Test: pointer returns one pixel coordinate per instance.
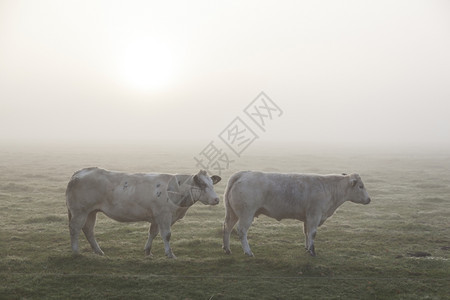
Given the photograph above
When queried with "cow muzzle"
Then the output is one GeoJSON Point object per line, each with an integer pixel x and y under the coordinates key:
{"type": "Point", "coordinates": [211, 201]}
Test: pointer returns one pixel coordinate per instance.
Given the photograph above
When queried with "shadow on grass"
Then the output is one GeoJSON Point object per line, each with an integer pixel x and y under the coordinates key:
{"type": "Point", "coordinates": [234, 266]}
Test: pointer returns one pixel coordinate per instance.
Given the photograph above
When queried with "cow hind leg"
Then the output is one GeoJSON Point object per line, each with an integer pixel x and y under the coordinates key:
{"type": "Point", "coordinates": [230, 221]}
{"type": "Point", "coordinates": [305, 231]}
{"type": "Point", "coordinates": [152, 233]}
{"type": "Point", "coordinates": [76, 222]}
{"type": "Point", "coordinates": [88, 230]}
{"type": "Point", "coordinates": [242, 229]}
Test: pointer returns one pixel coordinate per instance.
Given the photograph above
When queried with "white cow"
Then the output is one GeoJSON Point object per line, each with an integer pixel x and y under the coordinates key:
{"type": "Point", "coordinates": [309, 198]}
{"type": "Point", "coordinates": [160, 199]}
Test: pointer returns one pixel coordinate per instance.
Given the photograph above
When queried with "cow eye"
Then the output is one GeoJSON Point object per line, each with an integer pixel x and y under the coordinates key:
{"type": "Point", "coordinates": [361, 186]}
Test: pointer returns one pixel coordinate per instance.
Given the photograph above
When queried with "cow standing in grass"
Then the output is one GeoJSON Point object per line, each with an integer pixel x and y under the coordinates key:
{"type": "Point", "coordinates": [309, 198]}
{"type": "Point", "coordinates": [160, 199]}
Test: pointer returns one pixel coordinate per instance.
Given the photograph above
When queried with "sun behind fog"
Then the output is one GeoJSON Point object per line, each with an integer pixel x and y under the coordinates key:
{"type": "Point", "coordinates": [147, 65]}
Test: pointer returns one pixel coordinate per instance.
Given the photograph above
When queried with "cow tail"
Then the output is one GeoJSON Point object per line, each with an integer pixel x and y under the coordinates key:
{"type": "Point", "coordinates": [228, 209]}
{"type": "Point", "coordinates": [69, 193]}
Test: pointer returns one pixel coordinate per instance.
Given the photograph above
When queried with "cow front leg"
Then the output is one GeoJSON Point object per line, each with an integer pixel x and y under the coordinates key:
{"type": "Point", "coordinates": [311, 230]}
{"type": "Point", "coordinates": [152, 233]}
{"type": "Point", "coordinates": [166, 234]}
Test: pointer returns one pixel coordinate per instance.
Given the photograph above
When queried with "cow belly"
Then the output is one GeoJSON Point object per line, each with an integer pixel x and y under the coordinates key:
{"type": "Point", "coordinates": [278, 214]}
{"type": "Point", "coordinates": [275, 215]}
{"type": "Point", "coordinates": [132, 213]}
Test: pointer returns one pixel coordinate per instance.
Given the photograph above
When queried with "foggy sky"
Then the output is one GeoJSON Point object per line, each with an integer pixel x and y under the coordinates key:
{"type": "Point", "coordinates": [344, 73]}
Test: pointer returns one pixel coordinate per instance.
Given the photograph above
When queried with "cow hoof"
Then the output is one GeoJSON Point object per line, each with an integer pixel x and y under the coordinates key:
{"type": "Point", "coordinates": [227, 251]}
{"type": "Point", "coordinates": [312, 253]}
{"type": "Point", "coordinates": [100, 252]}
{"type": "Point", "coordinates": [249, 254]}
{"type": "Point", "coordinates": [171, 256]}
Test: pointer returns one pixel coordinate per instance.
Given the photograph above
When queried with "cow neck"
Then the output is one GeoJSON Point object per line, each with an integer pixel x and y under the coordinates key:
{"type": "Point", "coordinates": [189, 199]}
{"type": "Point", "coordinates": [344, 189]}
{"type": "Point", "coordinates": [186, 202]}
{"type": "Point", "coordinates": [340, 190]}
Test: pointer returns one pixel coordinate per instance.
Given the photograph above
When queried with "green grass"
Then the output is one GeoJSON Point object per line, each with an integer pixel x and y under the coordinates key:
{"type": "Point", "coordinates": [363, 251]}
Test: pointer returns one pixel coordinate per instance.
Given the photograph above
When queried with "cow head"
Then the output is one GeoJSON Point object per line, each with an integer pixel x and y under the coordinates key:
{"type": "Point", "coordinates": [357, 192]}
{"type": "Point", "coordinates": [204, 189]}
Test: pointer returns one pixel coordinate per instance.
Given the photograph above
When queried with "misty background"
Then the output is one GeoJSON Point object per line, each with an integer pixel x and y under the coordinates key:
{"type": "Point", "coordinates": [360, 74]}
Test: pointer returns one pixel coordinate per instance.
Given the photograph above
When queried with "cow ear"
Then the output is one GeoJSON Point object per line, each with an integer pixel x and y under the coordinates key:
{"type": "Point", "coordinates": [216, 179]}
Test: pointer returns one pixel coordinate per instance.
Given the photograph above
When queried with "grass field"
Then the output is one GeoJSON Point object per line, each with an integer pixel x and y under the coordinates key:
{"type": "Point", "coordinates": [397, 247]}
